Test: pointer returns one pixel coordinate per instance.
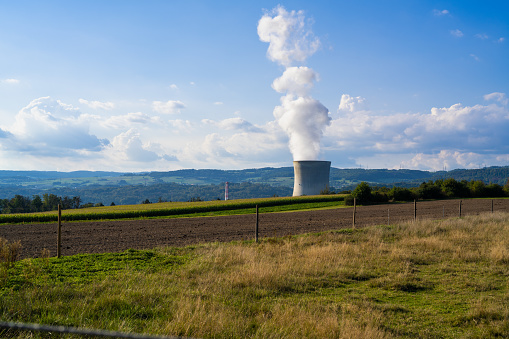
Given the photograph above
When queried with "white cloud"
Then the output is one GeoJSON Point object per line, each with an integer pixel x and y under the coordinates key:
{"type": "Point", "coordinates": [475, 57]}
{"type": "Point", "coordinates": [98, 104]}
{"type": "Point", "coordinates": [174, 87]}
{"type": "Point", "coordinates": [233, 124]}
{"type": "Point", "coordinates": [454, 131]}
{"type": "Point", "coordinates": [50, 126]}
{"type": "Point", "coordinates": [351, 104]}
{"type": "Point", "coordinates": [126, 121]}
{"type": "Point", "coordinates": [288, 34]}
{"type": "Point", "coordinates": [438, 12]}
{"type": "Point", "coordinates": [218, 103]}
{"type": "Point", "coordinates": [225, 150]}
{"type": "Point", "coordinates": [445, 159]}
{"type": "Point", "coordinates": [497, 96]}
{"type": "Point", "coordinates": [500, 40]}
{"type": "Point", "coordinates": [128, 146]}
{"type": "Point", "coordinates": [482, 36]}
{"type": "Point", "coordinates": [168, 107]}
{"type": "Point", "coordinates": [10, 81]}
{"type": "Point", "coordinates": [456, 33]}
{"type": "Point", "coordinates": [182, 125]}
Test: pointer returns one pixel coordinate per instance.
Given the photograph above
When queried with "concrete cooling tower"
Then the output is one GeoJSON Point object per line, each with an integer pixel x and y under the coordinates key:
{"type": "Point", "coordinates": [311, 177]}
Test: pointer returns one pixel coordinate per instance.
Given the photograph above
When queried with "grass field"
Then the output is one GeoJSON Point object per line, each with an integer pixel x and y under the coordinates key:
{"type": "Point", "coordinates": [181, 209]}
{"type": "Point", "coordinates": [429, 279]}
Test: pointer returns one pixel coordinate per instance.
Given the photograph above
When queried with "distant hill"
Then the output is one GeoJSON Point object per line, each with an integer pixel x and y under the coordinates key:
{"type": "Point", "coordinates": [207, 184]}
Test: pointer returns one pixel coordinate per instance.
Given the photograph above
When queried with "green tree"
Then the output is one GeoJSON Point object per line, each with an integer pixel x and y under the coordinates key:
{"type": "Point", "coordinates": [400, 194]}
{"type": "Point", "coordinates": [455, 189]}
{"type": "Point", "coordinates": [36, 203]}
{"type": "Point", "coordinates": [362, 193]}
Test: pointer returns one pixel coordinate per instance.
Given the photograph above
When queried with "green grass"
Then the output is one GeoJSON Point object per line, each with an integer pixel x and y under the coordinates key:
{"type": "Point", "coordinates": [429, 279]}
{"type": "Point", "coordinates": [181, 209]}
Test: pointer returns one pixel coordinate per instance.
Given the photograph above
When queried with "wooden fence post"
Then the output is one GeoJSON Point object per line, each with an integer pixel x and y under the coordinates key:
{"type": "Point", "coordinates": [59, 238]}
{"type": "Point", "coordinates": [491, 205]}
{"type": "Point", "coordinates": [256, 228]}
{"type": "Point", "coordinates": [460, 208]}
{"type": "Point", "coordinates": [354, 209]}
{"type": "Point", "coordinates": [415, 209]}
{"type": "Point", "coordinates": [388, 217]}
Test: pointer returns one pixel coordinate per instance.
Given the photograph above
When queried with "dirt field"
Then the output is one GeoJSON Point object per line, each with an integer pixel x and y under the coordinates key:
{"type": "Point", "coordinates": [117, 236]}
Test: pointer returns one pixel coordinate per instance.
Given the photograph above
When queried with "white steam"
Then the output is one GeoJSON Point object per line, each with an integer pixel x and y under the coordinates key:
{"type": "Point", "coordinates": [302, 117]}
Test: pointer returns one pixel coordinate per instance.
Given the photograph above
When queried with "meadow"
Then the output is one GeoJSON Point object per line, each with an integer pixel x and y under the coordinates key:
{"type": "Point", "coordinates": [428, 279]}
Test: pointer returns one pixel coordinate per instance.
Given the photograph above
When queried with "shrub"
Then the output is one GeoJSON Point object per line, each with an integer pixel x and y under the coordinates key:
{"type": "Point", "coordinates": [362, 193]}
{"type": "Point", "coordinates": [401, 194]}
{"type": "Point", "coordinates": [349, 200]}
{"type": "Point", "coordinates": [9, 252]}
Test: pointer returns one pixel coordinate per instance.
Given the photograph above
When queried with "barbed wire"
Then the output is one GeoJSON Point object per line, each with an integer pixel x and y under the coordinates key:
{"type": "Point", "coordinates": [85, 332]}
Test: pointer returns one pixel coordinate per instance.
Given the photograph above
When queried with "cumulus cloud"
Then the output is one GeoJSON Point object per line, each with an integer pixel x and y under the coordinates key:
{"type": "Point", "coordinates": [288, 34]}
{"type": "Point", "coordinates": [235, 123]}
{"type": "Point", "coordinates": [456, 33]}
{"type": "Point", "coordinates": [351, 104]}
{"type": "Point", "coordinates": [445, 159]}
{"type": "Point", "coordinates": [127, 120]}
{"type": "Point", "coordinates": [174, 87]}
{"type": "Point", "coordinates": [233, 147]}
{"type": "Point", "coordinates": [128, 146]}
{"type": "Point", "coordinates": [48, 125]}
{"type": "Point", "coordinates": [98, 104]}
{"type": "Point", "coordinates": [168, 107]}
{"type": "Point", "coordinates": [439, 12]}
{"type": "Point", "coordinates": [459, 132]}
{"type": "Point", "coordinates": [497, 96]}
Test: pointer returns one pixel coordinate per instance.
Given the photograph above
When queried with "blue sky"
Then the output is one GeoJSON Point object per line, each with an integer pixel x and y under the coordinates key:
{"type": "Point", "coordinates": [163, 85]}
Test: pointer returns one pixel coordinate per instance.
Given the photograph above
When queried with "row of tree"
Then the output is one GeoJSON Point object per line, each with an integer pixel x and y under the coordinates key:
{"type": "Point", "coordinates": [48, 202]}
{"type": "Point", "coordinates": [439, 189]}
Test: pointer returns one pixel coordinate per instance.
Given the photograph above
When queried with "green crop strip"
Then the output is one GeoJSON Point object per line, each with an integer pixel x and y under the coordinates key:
{"type": "Point", "coordinates": [178, 209]}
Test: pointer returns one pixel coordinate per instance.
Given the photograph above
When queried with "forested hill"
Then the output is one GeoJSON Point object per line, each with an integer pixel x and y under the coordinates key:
{"type": "Point", "coordinates": [182, 185]}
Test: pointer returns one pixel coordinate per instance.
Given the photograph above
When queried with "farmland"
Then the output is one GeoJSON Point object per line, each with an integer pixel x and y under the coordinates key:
{"type": "Point", "coordinates": [444, 278]}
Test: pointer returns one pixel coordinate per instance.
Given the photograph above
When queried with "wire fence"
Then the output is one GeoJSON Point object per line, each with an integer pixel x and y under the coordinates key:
{"type": "Point", "coordinates": [10, 327]}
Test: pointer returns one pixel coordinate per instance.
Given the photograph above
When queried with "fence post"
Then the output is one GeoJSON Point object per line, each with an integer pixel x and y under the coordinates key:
{"type": "Point", "coordinates": [59, 238]}
{"type": "Point", "coordinates": [415, 209]}
{"type": "Point", "coordinates": [460, 208]}
{"type": "Point", "coordinates": [388, 217]}
{"type": "Point", "coordinates": [354, 208]}
{"type": "Point", "coordinates": [491, 205]}
{"type": "Point", "coordinates": [256, 228]}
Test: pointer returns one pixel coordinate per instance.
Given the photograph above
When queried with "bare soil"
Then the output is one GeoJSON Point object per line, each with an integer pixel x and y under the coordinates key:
{"type": "Point", "coordinates": [118, 236]}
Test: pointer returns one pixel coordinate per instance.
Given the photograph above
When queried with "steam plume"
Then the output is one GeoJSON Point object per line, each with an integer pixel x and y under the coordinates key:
{"type": "Point", "coordinates": [302, 117]}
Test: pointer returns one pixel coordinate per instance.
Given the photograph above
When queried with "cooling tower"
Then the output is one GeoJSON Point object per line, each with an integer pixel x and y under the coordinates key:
{"type": "Point", "coordinates": [311, 177]}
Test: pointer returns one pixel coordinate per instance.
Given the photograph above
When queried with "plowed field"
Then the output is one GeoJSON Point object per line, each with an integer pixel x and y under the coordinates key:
{"type": "Point", "coordinates": [117, 236]}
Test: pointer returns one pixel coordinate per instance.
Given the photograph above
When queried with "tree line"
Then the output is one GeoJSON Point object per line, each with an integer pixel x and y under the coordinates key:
{"type": "Point", "coordinates": [48, 202]}
{"type": "Point", "coordinates": [438, 189]}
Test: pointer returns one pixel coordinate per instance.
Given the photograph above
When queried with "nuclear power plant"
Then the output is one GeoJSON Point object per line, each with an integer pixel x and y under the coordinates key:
{"type": "Point", "coordinates": [310, 177]}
